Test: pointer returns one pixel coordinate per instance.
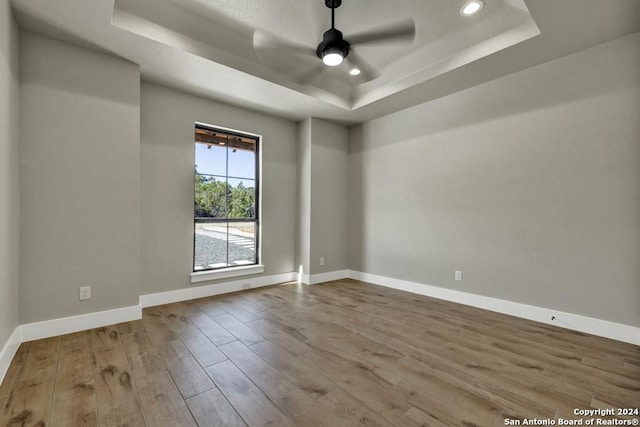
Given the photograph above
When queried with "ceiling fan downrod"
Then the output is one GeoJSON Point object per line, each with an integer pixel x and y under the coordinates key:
{"type": "Point", "coordinates": [332, 4]}
{"type": "Point", "coordinates": [333, 49]}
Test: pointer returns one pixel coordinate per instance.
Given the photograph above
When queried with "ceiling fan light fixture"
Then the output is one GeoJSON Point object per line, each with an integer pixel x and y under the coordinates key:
{"type": "Point", "coordinates": [332, 57]}
{"type": "Point", "coordinates": [471, 7]}
{"type": "Point", "coordinates": [333, 48]}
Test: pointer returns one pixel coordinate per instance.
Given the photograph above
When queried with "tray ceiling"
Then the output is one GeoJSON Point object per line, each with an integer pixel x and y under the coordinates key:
{"type": "Point", "coordinates": [207, 46]}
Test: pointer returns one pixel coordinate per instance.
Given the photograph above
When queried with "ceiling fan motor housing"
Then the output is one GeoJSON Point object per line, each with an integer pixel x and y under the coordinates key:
{"type": "Point", "coordinates": [333, 42]}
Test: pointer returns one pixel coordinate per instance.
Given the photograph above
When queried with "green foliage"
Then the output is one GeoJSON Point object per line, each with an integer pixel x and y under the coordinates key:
{"type": "Point", "coordinates": [241, 202]}
{"type": "Point", "coordinates": [218, 199]}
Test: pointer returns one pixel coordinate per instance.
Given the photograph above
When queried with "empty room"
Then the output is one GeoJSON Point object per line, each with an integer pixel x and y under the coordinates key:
{"type": "Point", "coordinates": [319, 213]}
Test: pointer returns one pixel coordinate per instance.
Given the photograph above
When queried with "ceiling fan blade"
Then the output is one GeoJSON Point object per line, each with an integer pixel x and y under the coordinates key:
{"type": "Point", "coordinates": [398, 31]}
{"type": "Point", "coordinates": [309, 75]}
{"type": "Point", "coordinates": [265, 41]}
{"type": "Point", "coordinates": [367, 72]}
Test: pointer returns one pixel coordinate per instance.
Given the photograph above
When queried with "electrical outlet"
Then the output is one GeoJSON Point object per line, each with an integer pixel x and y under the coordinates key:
{"type": "Point", "coordinates": [321, 260]}
{"type": "Point", "coordinates": [85, 293]}
{"type": "Point", "coordinates": [458, 275]}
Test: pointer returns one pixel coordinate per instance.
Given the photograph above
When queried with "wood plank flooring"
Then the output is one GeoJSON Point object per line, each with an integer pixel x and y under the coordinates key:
{"type": "Point", "coordinates": [344, 353]}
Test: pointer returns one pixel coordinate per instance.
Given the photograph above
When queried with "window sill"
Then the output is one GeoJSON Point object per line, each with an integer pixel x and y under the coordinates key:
{"type": "Point", "coordinates": [223, 273]}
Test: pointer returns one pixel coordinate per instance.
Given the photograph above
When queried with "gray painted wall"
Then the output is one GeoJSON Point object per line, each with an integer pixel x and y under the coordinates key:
{"type": "Point", "coordinates": [167, 127]}
{"type": "Point", "coordinates": [303, 212]}
{"type": "Point", "coordinates": [523, 183]}
{"type": "Point", "coordinates": [329, 196]}
{"type": "Point", "coordinates": [9, 196]}
{"type": "Point", "coordinates": [323, 153]}
{"type": "Point", "coordinates": [529, 184]}
{"type": "Point", "coordinates": [79, 180]}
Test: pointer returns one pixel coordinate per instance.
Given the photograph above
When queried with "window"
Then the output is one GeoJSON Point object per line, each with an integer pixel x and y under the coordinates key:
{"type": "Point", "coordinates": [226, 204]}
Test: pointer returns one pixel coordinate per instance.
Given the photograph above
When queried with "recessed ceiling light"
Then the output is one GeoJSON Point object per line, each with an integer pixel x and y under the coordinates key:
{"type": "Point", "coordinates": [471, 7]}
{"type": "Point", "coordinates": [354, 72]}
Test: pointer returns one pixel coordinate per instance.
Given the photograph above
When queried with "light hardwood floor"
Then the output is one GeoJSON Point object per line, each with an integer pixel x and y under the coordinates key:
{"type": "Point", "coordinates": [343, 353]}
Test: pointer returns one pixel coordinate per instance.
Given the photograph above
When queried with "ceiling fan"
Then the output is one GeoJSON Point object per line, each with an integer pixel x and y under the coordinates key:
{"type": "Point", "coordinates": [334, 49]}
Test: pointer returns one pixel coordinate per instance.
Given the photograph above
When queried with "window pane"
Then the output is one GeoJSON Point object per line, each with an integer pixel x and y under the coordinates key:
{"type": "Point", "coordinates": [211, 159]}
{"type": "Point", "coordinates": [210, 246]}
{"type": "Point", "coordinates": [226, 199]}
{"type": "Point", "coordinates": [242, 243]}
{"type": "Point", "coordinates": [242, 196]}
{"type": "Point", "coordinates": [242, 163]}
{"type": "Point", "coordinates": [210, 197]}
{"type": "Point", "coordinates": [219, 245]}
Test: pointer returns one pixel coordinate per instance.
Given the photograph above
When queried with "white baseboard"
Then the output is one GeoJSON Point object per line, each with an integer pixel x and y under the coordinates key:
{"type": "Point", "coordinates": [178, 295]}
{"type": "Point", "coordinates": [590, 325]}
{"type": "Point", "coordinates": [66, 325]}
{"type": "Point", "coordinates": [81, 322]}
{"type": "Point", "coordinates": [314, 279]}
{"type": "Point", "coordinates": [8, 351]}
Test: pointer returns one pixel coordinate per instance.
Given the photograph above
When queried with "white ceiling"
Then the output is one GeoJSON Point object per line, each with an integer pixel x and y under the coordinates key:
{"type": "Point", "coordinates": [206, 46]}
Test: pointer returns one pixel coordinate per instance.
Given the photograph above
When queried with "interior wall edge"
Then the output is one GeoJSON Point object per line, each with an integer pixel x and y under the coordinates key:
{"type": "Point", "coordinates": [575, 322]}
{"type": "Point", "coordinates": [315, 279]}
{"type": "Point", "coordinates": [9, 180]}
{"type": "Point", "coordinates": [168, 297]}
{"type": "Point", "coordinates": [66, 325]}
{"type": "Point", "coordinates": [80, 322]}
{"type": "Point", "coordinates": [8, 352]}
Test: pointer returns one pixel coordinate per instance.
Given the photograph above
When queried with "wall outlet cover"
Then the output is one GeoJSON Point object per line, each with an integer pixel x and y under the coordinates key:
{"type": "Point", "coordinates": [85, 293]}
